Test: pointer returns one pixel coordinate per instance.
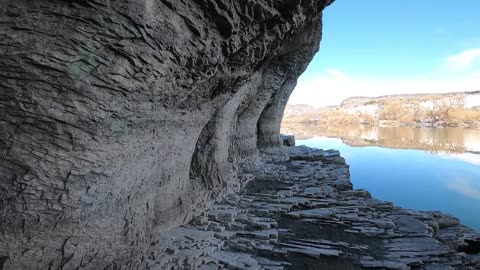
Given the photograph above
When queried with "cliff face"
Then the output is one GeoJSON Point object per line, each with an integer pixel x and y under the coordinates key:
{"type": "Point", "coordinates": [122, 119]}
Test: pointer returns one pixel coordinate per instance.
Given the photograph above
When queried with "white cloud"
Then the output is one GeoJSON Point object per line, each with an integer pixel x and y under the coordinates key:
{"type": "Point", "coordinates": [333, 86]}
{"type": "Point", "coordinates": [336, 74]}
{"type": "Point", "coordinates": [457, 73]}
{"type": "Point", "coordinates": [463, 60]}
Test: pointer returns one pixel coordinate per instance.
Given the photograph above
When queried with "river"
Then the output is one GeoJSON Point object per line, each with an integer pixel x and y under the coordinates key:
{"type": "Point", "coordinates": [417, 168]}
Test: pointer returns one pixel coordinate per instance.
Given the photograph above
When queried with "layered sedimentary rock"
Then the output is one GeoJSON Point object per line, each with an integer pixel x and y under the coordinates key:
{"type": "Point", "coordinates": [300, 212]}
{"type": "Point", "coordinates": [122, 119]}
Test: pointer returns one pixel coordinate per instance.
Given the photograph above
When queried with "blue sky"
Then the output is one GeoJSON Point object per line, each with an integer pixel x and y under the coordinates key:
{"type": "Point", "coordinates": [379, 47]}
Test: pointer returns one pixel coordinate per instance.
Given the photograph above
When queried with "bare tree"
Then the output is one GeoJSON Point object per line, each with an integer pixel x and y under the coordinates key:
{"type": "Point", "coordinates": [443, 106]}
{"type": "Point", "coordinates": [392, 110]}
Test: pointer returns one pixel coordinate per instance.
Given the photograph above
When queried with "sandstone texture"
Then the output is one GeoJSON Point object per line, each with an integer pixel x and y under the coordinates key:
{"type": "Point", "coordinates": [120, 120]}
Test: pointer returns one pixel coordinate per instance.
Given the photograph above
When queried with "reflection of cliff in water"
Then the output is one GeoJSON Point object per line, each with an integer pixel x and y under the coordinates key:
{"type": "Point", "coordinates": [457, 140]}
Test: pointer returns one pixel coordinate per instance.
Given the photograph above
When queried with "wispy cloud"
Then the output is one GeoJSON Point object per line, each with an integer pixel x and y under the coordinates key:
{"type": "Point", "coordinates": [464, 60]}
{"type": "Point", "coordinates": [333, 85]}
{"type": "Point", "coordinates": [459, 72]}
{"type": "Point", "coordinates": [465, 187]}
{"type": "Point", "coordinates": [336, 74]}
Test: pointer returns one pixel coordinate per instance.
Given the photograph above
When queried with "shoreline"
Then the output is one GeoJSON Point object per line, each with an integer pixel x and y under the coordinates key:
{"type": "Point", "coordinates": [387, 124]}
{"type": "Point", "coordinates": [300, 211]}
{"type": "Point", "coordinates": [454, 140]}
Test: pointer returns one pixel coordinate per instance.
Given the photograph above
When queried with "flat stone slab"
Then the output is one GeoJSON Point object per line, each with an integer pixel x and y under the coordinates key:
{"type": "Point", "coordinates": [313, 213]}
{"type": "Point", "coordinates": [300, 209]}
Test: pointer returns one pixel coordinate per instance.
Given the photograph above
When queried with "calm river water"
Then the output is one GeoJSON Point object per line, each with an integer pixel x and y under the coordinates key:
{"type": "Point", "coordinates": [417, 168]}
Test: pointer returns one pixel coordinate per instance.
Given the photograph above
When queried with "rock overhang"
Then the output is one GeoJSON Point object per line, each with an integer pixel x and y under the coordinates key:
{"type": "Point", "coordinates": [121, 119]}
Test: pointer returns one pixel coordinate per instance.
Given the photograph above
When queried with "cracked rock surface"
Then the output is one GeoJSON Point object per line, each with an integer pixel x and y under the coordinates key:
{"type": "Point", "coordinates": [300, 212]}
{"type": "Point", "coordinates": [122, 119]}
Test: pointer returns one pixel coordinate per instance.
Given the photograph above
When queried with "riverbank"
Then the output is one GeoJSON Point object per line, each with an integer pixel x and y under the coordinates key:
{"type": "Point", "coordinates": [351, 121]}
{"type": "Point", "coordinates": [300, 211]}
{"type": "Point", "coordinates": [456, 109]}
{"type": "Point", "coordinates": [452, 140]}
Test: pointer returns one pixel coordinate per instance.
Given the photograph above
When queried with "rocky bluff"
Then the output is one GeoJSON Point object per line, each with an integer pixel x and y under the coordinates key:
{"type": "Point", "coordinates": [123, 119]}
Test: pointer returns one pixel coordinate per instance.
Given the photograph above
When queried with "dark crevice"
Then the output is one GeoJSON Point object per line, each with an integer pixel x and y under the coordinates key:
{"type": "Point", "coordinates": [199, 167]}
{"type": "Point", "coordinates": [3, 260]}
{"type": "Point", "coordinates": [473, 247]}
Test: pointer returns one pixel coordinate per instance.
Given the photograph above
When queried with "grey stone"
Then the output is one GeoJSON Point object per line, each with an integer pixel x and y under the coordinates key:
{"type": "Point", "coordinates": [411, 225]}
{"type": "Point", "coordinates": [124, 119]}
{"type": "Point", "coordinates": [311, 250]}
{"type": "Point", "coordinates": [310, 223]}
{"type": "Point", "coordinates": [288, 140]}
{"type": "Point", "coordinates": [313, 213]}
{"type": "Point", "coordinates": [235, 260]}
{"type": "Point", "coordinates": [385, 224]}
{"type": "Point", "coordinates": [385, 265]}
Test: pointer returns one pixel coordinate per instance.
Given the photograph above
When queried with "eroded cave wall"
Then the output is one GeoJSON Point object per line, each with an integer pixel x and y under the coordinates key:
{"type": "Point", "coordinates": [121, 119]}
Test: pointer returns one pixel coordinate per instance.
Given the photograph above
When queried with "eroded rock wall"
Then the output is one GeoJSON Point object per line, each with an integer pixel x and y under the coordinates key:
{"type": "Point", "coordinates": [122, 119]}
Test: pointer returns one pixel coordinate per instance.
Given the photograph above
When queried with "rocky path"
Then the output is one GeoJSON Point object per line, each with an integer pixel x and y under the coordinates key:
{"type": "Point", "coordinates": [300, 212]}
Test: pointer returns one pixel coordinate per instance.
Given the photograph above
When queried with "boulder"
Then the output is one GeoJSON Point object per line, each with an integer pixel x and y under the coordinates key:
{"type": "Point", "coordinates": [288, 140]}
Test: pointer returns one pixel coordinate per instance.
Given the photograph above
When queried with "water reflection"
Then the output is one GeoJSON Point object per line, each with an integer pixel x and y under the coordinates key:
{"type": "Point", "coordinates": [466, 157]}
{"type": "Point", "coordinates": [438, 140]}
{"type": "Point", "coordinates": [465, 187]}
{"type": "Point", "coordinates": [418, 168]}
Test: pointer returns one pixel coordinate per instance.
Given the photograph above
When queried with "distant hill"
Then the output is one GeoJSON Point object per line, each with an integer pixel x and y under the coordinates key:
{"type": "Point", "coordinates": [300, 109]}
{"type": "Point", "coordinates": [433, 109]}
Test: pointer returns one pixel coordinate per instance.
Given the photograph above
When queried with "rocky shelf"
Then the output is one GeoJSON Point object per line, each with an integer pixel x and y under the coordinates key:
{"type": "Point", "coordinates": [299, 211]}
{"type": "Point", "coordinates": [122, 121]}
